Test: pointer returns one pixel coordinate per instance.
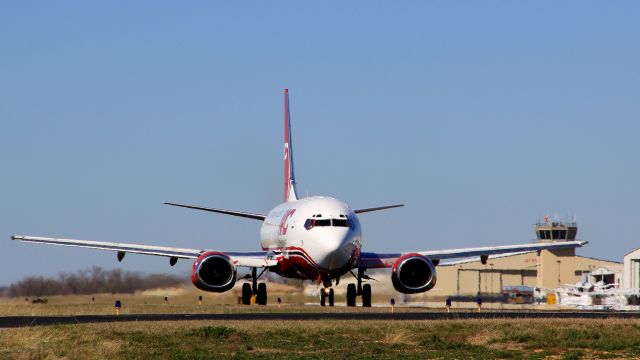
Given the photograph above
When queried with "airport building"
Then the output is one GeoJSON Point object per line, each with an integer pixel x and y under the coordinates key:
{"type": "Point", "coordinates": [538, 269]}
{"type": "Point", "coordinates": [632, 270]}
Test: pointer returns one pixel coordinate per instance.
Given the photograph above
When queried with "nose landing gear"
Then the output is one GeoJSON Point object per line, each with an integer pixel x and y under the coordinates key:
{"type": "Point", "coordinates": [353, 291]}
{"type": "Point", "coordinates": [326, 294]}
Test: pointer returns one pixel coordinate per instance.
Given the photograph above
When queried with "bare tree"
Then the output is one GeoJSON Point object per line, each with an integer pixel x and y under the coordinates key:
{"type": "Point", "coordinates": [90, 281]}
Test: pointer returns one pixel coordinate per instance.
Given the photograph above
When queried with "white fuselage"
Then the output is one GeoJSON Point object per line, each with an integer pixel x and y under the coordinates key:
{"type": "Point", "coordinates": [314, 238]}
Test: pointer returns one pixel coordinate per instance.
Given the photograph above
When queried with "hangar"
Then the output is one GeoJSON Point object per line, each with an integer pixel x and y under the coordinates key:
{"type": "Point", "coordinates": [541, 269]}
{"type": "Point", "coordinates": [632, 270]}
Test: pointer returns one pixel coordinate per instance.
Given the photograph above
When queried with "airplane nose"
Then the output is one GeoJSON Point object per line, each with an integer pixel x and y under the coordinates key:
{"type": "Point", "coordinates": [337, 251]}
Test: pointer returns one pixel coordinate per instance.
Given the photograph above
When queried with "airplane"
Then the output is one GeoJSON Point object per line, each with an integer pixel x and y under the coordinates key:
{"type": "Point", "coordinates": [312, 238]}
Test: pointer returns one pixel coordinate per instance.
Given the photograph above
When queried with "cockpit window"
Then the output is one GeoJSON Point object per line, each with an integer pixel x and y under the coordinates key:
{"type": "Point", "coordinates": [339, 222]}
{"type": "Point", "coordinates": [311, 223]}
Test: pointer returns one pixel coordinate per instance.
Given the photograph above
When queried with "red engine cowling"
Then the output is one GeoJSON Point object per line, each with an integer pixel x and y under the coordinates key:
{"type": "Point", "coordinates": [413, 273]}
{"type": "Point", "coordinates": [213, 271]}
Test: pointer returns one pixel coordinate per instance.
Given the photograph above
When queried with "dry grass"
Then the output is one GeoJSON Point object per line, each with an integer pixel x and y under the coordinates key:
{"type": "Point", "coordinates": [328, 339]}
{"type": "Point", "coordinates": [179, 300]}
{"type": "Point", "coordinates": [400, 337]}
{"type": "Point", "coordinates": [539, 338]}
{"type": "Point", "coordinates": [185, 300]}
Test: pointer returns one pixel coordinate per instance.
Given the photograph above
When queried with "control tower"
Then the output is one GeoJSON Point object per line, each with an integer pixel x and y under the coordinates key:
{"type": "Point", "coordinates": [556, 267]}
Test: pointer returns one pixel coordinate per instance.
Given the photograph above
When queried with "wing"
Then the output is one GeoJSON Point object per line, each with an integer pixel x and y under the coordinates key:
{"type": "Point", "coordinates": [248, 259]}
{"type": "Point", "coordinates": [375, 260]}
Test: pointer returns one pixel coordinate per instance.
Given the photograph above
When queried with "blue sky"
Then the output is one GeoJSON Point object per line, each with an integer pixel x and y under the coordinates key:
{"type": "Point", "coordinates": [482, 118]}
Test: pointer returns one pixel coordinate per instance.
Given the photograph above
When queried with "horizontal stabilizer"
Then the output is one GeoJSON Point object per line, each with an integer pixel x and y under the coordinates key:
{"type": "Point", "coordinates": [360, 211]}
{"type": "Point", "coordinates": [222, 211]}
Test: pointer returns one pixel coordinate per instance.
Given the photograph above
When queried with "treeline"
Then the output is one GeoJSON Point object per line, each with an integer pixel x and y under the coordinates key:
{"type": "Point", "coordinates": [90, 281]}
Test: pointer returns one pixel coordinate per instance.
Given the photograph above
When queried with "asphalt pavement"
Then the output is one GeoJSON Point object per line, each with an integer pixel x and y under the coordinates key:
{"type": "Point", "coordinates": [23, 321]}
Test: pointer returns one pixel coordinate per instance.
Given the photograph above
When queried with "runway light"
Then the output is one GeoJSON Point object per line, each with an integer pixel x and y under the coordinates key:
{"type": "Point", "coordinates": [118, 306]}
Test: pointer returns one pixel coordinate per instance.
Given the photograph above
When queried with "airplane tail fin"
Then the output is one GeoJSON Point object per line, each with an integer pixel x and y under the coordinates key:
{"type": "Point", "coordinates": [289, 178]}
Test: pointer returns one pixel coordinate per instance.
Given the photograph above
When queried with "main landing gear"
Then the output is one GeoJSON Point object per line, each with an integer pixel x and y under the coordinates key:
{"type": "Point", "coordinates": [259, 290]}
{"type": "Point", "coordinates": [360, 290]}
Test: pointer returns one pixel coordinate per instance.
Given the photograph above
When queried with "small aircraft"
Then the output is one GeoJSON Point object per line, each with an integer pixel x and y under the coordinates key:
{"type": "Point", "coordinates": [313, 238]}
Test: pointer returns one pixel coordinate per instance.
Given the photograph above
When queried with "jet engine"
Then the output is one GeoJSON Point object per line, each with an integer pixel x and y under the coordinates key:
{"type": "Point", "coordinates": [413, 273]}
{"type": "Point", "coordinates": [213, 271]}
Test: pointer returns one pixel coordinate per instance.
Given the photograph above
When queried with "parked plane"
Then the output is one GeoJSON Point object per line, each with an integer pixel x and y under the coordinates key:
{"type": "Point", "coordinates": [313, 238]}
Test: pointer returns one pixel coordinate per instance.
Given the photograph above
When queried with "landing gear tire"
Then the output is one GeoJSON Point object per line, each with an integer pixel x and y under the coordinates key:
{"type": "Point", "coordinates": [366, 295]}
{"type": "Point", "coordinates": [323, 297]}
{"type": "Point", "coordinates": [246, 294]}
{"type": "Point", "coordinates": [351, 295]}
{"type": "Point", "coordinates": [261, 296]}
{"type": "Point", "coordinates": [331, 298]}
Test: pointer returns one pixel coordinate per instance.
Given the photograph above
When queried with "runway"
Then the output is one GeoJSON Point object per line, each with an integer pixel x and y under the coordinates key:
{"type": "Point", "coordinates": [25, 321]}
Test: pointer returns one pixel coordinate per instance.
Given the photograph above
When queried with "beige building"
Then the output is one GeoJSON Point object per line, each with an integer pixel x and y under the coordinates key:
{"type": "Point", "coordinates": [631, 273]}
{"type": "Point", "coordinates": [471, 277]}
{"type": "Point", "coordinates": [543, 269]}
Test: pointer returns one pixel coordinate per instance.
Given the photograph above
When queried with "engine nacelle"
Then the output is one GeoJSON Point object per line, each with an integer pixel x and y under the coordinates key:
{"type": "Point", "coordinates": [213, 271]}
{"type": "Point", "coordinates": [413, 273]}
